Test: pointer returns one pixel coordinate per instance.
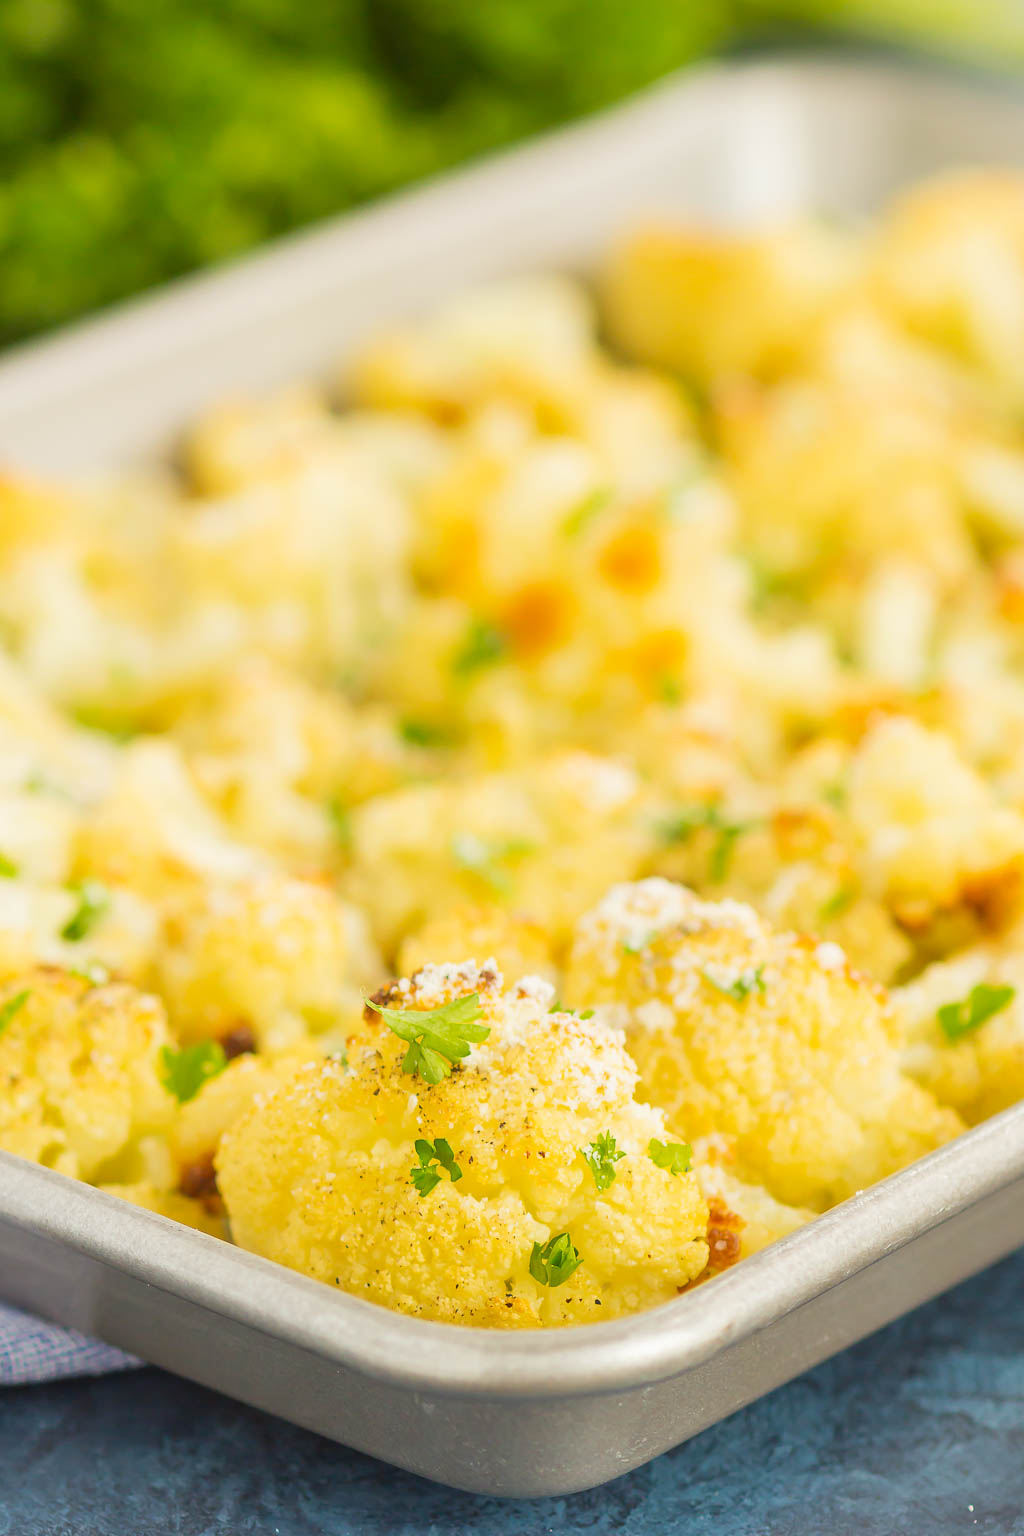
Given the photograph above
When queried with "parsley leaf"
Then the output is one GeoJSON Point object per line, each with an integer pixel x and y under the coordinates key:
{"type": "Point", "coordinates": [681, 827]}
{"type": "Point", "coordinates": [959, 1019]}
{"type": "Point", "coordinates": [8, 868]}
{"type": "Point", "coordinates": [91, 971]}
{"type": "Point", "coordinates": [13, 1006]}
{"type": "Point", "coordinates": [483, 646]}
{"type": "Point", "coordinates": [600, 1158]}
{"type": "Point", "coordinates": [839, 902]}
{"type": "Point", "coordinates": [93, 901]}
{"type": "Point", "coordinates": [425, 733]}
{"type": "Point", "coordinates": [485, 859]}
{"type": "Point", "coordinates": [739, 985]}
{"type": "Point", "coordinates": [552, 1263]}
{"type": "Point", "coordinates": [341, 821]}
{"type": "Point", "coordinates": [184, 1072]}
{"type": "Point", "coordinates": [438, 1036]}
{"type": "Point", "coordinates": [423, 1177]}
{"type": "Point", "coordinates": [675, 1156]}
{"type": "Point", "coordinates": [584, 512]}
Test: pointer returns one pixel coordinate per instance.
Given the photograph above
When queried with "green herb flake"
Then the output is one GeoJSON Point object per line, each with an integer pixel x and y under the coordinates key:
{"type": "Point", "coordinates": [839, 902]}
{"type": "Point", "coordinates": [835, 794]}
{"type": "Point", "coordinates": [437, 1037]}
{"type": "Point", "coordinates": [674, 1156]}
{"type": "Point", "coordinates": [422, 1176]}
{"type": "Point", "coordinates": [738, 986]}
{"type": "Point", "coordinates": [92, 971]}
{"type": "Point", "coordinates": [485, 860]}
{"type": "Point", "coordinates": [425, 733]}
{"type": "Point", "coordinates": [483, 646]}
{"type": "Point", "coordinates": [93, 901]}
{"type": "Point", "coordinates": [8, 868]}
{"type": "Point", "coordinates": [584, 512]}
{"type": "Point", "coordinates": [680, 827]}
{"type": "Point", "coordinates": [636, 943]}
{"type": "Point", "coordinates": [12, 1007]}
{"type": "Point", "coordinates": [668, 689]}
{"type": "Point", "coordinates": [341, 821]}
{"type": "Point", "coordinates": [184, 1072]}
{"type": "Point", "coordinates": [601, 1157]}
{"type": "Point", "coordinates": [552, 1263]}
{"type": "Point", "coordinates": [981, 1003]}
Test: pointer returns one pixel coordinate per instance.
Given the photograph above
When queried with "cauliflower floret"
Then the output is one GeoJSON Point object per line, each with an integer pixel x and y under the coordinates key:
{"type": "Point", "coordinates": [714, 305]}
{"type": "Point", "coordinates": [519, 946]}
{"type": "Point", "coordinates": [202, 1120]}
{"type": "Point", "coordinates": [931, 834]}
{"type": "Point", "coordinates": [530, 340]}
{"type": "Point", "coordinates": [319, 1176]}
{"type": "Point", "coordinates": [545, 840]}
{"type": "Point", "coordinates": [80, 1069]}
{"type": "Point", "coordinates": [744, 1218]}
{"type": "Point", "coordinates": [764, 1037]}
{"type": "Point", "coordinates": [154, 832]}
{"type": "Point", "coordinates": [950, 263]}
{"type": "Point", "coordinates": [979, 1070]}
{"type": "Point", "coordinates": [80, 927]}
{"type": "Point", "coordinates": [272, 953]}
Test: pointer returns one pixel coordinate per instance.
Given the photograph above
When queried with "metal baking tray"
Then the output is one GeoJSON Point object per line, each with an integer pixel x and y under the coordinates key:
{"type": "Point", "coordinates": [526, 1413]}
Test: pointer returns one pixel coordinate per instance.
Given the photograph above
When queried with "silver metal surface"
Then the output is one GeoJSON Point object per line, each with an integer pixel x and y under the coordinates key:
{"type": "Point", "coordinates": [524, 1413]}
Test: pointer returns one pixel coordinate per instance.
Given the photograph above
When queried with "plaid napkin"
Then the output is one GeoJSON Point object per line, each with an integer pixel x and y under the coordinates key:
{"type": "Point", "coordinates": [32, 1351]}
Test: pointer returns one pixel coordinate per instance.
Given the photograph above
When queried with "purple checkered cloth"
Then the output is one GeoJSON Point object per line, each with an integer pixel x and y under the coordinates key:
{"type": "Point", "coordinates": [32, 1351]}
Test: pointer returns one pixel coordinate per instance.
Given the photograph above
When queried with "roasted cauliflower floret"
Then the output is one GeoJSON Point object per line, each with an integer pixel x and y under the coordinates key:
{"type": "Point", "coordinates": [931, 834]}
{"type": "Point", "coordinates": [964, 1024]}
{"type": "Point", "coordinates": [764, 1037]}
{"type": "Point", "coordinates": [80, 1071]}
{"type": "Point", "coordinates": [545, 841]}
{"type": "Point", "coordinates": [715, 305]}
{"type": "Point", "coordinates": [949, 261]}
{"type": "Point", "coordinates": [519, 945]}
{"type": "Point", "coordinates": [334, 1175]}
{"type": "Point", "coordinates": [273, 953]}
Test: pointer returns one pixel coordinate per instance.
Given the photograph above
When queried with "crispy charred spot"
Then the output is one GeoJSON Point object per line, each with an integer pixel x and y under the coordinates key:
{"type": "Point", "coordinates": [383, 996]}
{"type": "Point", "coordinates": [239, 1040]}
{"type": "Point", "coordinates": [724, 1229]}
{"type": "Point", "coordinates": [198, 1181]}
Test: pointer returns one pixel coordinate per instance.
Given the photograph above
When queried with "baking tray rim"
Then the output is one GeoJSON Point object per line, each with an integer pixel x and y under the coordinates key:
{"type": "Point", "coordinates": [585, 1359]}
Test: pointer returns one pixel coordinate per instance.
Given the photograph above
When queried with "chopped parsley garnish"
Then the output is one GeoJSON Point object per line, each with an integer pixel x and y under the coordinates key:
{"type": "Point", "coordinates": [738, 985]}
{"type": "Point", "coordinates": [834, 794]}
{"type": "Point", "coordinates": [559, 1007]}
{"type": "Point", "coordinates": [8, 868]}
{"type": "Point", "coordinates": [13, 1006]}
{"type": "Point", "coordinates": [959, 1019]}
{"type": "Point", "coordinates": [93, 901]}
{"type": "Point", "coordinates": [341, 821]}
{"type": "Point", "coordinates": [91, 971]}
{"type": "Point", "coordinates": [839, 902]}
{"type": "Point", "coordinates": [438, 1036]}
{"type": "Point", "coordinates": [584, 512]}
{"type": "Point", "coordinates": [425, 733]}
{"type": "Point", "coordinates": [668, 689]}
{"type": "Point", "coordinates": [601, 1157]}
{"type": "Point", "coordinates": [552, 1263]}
{"type": "Point", "coordinates": [681, 827]}
{"type": "Point", "coordinates": [674, 1156]}
{"type": "Point", "coordinates": [483, 646]}
{"type": "Point", "coordinates": [184, 1072]}
{"type": "Point", "coordinates": [423, 1177]}
{"type": "Point", "coordinates": [485, 860]}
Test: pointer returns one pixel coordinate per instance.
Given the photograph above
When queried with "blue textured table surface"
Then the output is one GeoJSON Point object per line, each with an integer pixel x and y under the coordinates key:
{"type": "Point", "coordinates": [918, 1431]}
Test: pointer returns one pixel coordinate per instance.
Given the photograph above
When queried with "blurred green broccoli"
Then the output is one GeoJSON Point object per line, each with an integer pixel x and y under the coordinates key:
{"type": "Point", "coordinates": [140, 139]}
